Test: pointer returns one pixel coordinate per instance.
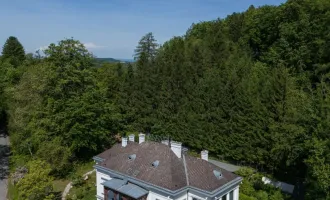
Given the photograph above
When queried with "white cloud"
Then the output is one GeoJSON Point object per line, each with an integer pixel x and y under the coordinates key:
{"type": "Point", "coordinates": [91, 45]}
{"type": "Point", "coordinates": [42, 48]}
{"type": "Point", "coordinates": [88, 45]}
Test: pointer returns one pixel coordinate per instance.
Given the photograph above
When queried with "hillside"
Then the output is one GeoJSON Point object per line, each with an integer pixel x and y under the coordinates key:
{"type": "Point", "coordinates": [107, 60]}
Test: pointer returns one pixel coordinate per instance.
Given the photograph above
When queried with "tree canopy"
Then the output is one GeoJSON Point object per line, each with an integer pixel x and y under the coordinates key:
{"type": "Point", "coordinates": [252, 88]}
{"type": "Point", "coordinates": [13, 50]}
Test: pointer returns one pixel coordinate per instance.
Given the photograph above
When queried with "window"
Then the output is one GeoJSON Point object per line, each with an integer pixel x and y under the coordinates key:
{"type": "Point", "coordinates": [111, 195]}
{"type": "Point", "coordinates": [231, 195]}
{"type": "Point", "coordinates": [224, 197]}
{"type": "Point", "coordinates": [119, 197]}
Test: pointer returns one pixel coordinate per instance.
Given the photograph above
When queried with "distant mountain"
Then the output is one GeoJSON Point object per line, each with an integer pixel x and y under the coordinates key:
{"type": "Point", "coordinates": [126, 60]}
{"type": "Point", "coordinates": [113, 60]}
{"type": "Point", "coordinates": [108, 60]}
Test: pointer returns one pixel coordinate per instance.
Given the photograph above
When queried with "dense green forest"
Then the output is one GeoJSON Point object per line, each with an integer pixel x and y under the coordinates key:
{"type": "Point", "coordinates": [253, 87]}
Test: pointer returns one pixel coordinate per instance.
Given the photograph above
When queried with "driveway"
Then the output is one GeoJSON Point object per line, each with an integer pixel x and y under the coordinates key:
{"type": "Point", "coordinates": [4, 162]}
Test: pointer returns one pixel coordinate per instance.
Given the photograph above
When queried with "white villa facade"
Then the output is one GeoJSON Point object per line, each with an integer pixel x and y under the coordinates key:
{"type": "Point", "coordinates": [160, 171]}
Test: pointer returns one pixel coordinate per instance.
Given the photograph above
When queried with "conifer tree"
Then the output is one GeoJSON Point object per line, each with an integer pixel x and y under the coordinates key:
{"type": "Point", "coordinates": [147, 48]}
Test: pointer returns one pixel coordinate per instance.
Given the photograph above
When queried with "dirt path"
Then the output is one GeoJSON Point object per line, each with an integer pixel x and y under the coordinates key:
{"type": "Point", "coordinates": [69, 186]}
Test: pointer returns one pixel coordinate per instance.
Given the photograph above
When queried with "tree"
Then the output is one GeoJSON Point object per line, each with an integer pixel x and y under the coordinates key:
{"type": "Point", "coordinates": [319, 169]}
{"type": "Point", "coordinates": [36, 184]}
{"type": "Point", "coordinates": [14, 51]}
{"type": "Point", "coordinates": [56, 155]}
{"type": "Point", "coordinates": [74, 108]}
{"type": "Point", "coordinates": [69, 52]}
{"type": "Point", "coordinates": [147, 48]}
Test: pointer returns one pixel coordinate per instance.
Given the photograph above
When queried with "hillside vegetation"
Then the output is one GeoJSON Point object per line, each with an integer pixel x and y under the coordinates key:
{"type": "Point", "coordinates": [253, 87]}
{"type": "Point", "coordinates": [107, 60]}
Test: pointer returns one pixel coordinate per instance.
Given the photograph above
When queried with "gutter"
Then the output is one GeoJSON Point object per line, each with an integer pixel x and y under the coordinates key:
{"type": "Point", "coordinates": [172, 193]}
{"type": "Point", "coordinates": [98, 159]}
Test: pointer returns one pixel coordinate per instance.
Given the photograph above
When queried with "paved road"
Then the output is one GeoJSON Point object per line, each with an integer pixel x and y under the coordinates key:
{"type": "Point", "coordinates": [4, 170]}
{"type": "Point", "coordinates": [226, 166]}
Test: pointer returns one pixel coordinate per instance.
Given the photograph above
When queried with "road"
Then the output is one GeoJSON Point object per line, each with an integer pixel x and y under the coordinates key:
{"type": "Point", "coordinates": [4, 162]}
{"type": "Point", "coordinates": [226, 166]}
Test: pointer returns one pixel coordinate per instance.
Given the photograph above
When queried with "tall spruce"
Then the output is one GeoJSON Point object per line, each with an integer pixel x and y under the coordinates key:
{"type": "Point", "coordinates": [147, 48]}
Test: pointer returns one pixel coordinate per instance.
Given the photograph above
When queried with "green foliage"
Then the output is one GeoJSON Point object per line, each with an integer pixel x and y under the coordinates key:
{"type": "Point", "coordinates": [107, 60]}
{"type": "Point", "coordinates": [69, 119]}
{"type": "Point", "coordinates": [147, 48]}
{"type": "Point", "coordinates": [13, 51]}
{"type": "Point", "coordinates": [252, 88]}
{"type": "Point", "coordinates": [245, 197]}
{"type": "Point", "coordinates": [69, 52]}
{"type": "Point", "coordinates": [37, 184]}
{"type": "Point", "coordinates": [253, 187]}
{"type": "Point", "coordinates": [56, 155]}
{"type": "Point", "coordinates": [319, 165]}
{"type": "Point", "coordinates": [77, 180]}
{"type": "Point", "coordinates": [85, 190]}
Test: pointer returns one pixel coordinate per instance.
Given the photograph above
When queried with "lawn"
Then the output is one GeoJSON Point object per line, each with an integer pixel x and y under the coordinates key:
{"type": "Point", "coordinates": [59, 185]}
{"type": "Point", "coordinates": [83, 190]}
{"type": "Point", "coordinates": [82, 168]}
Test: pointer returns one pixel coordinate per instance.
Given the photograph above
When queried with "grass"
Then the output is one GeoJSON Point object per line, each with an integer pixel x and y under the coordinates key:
{"type": "Point", "coordinates": [59, 185]}
{"type": "Point", "coordinates": [12, 191]}
{"type": "Point", "coordinates": [82, 168]}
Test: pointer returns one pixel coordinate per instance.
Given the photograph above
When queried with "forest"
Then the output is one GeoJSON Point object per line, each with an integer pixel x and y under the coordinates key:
{"type": "Point", "coordinates": [252, 88]}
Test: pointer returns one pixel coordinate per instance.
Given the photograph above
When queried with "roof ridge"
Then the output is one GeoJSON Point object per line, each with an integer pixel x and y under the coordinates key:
{"type": "Point", "coordinates": [185, 168]}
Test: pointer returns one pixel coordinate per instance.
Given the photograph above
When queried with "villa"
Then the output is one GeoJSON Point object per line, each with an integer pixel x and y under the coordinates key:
{"type": "Point", "coordinates": [146, 170]}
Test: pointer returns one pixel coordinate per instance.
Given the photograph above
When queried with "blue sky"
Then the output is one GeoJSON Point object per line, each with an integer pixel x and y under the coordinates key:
{"type": "Point", "coordinates": [109, 28]}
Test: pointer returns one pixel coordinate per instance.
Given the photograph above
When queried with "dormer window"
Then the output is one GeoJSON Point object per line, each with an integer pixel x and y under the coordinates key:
{"type": "Point", "coordinates": [217, 174]}
{"type": "Point", "coordinates": [155, 164]}
{"type": "Point", "coordinates": [132, 157]}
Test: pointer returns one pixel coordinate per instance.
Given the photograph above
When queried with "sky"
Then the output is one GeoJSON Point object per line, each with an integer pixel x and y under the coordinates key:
{"type": "Point", "coordinates": [109, 28]}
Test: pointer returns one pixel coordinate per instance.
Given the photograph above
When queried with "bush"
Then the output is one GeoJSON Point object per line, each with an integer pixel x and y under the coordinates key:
{"type": "Point", "coordinates": [245, 197]}
{"type": "Point", "coordinates": [36, 184]}
{"type": "Point", "coordinates": [77, 180]}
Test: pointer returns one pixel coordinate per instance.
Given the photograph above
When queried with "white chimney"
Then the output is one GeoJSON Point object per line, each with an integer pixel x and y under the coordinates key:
{"type": "Point", "coordinates": [141, 138]}
{"type": "Point", "coordinates": [165, 142]}
{"type": "Point", "coordinates": [176, 148]}
{"type": "Point", "coordinates": [124, 141]}
{"type": "Point", "coordinates": [131, 137]}
{"type": "Point", "coordinates": [205, 155]}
